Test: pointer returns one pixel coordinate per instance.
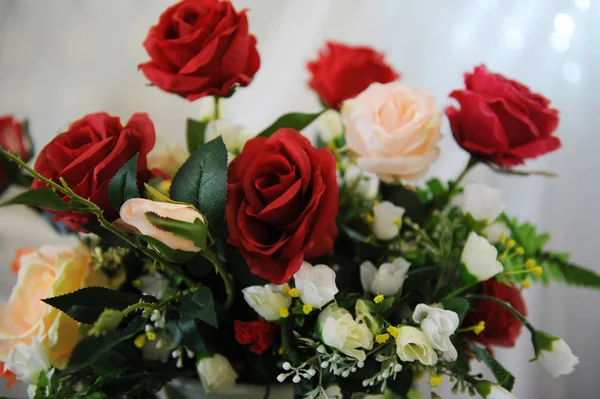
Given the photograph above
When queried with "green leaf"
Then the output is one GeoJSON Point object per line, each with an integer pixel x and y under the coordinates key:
{"type": "Point", "coordinates": [569, 273]}
{"type": "Point", "coordinates": [288, 344]}
{"type": "Point", "coordinates": [195, 134]}
{"type": "Point", "coordinates": [168, 253]}
{"type": "Point", "coordinates": [86, 304]}
{"type": "Point", "coordinates": [202, 181]}
{"type": "Point", "coordinates": [526, 235]}
{"type": "Point", "coordinates": [402, 383]}
{"type": "Point", "coordinates": [407, 199]}
{"type": "Point", "coordinates": [503, 376]}
{"type": "Point", "coordinates": [184, 332]}
{"type": "Point", "coordinates": [199, 305]}
{"type": "Point", "coordinates": [123, 185]}
{"type": "Point", "coordinates": [458, 305]}
{"type": "Point", "coordinates": [294, 120]}
{"type": "Point", "coordinates": [90, 349]}
{"type": "Point", "coordinates": [195, 232]}
{"type": "Point", "coordinates": [47, 199]}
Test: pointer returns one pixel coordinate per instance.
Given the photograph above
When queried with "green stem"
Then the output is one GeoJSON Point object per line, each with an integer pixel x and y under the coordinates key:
{"type": "Point", "coordinates": [229, 288]}
{"type": "Point", "coordinates": [217, 110]}
{"type": "Point", "coordinates": [508, 307]}
{"type": "Point", "coordinates": [460, 290]}
{"type": "Point", "coordinates": [453, 187]}
{"type": "Point", "coordinates": [137, 306]}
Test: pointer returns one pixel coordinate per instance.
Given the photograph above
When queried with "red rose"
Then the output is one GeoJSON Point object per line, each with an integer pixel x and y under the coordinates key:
{"type": "Point", "coordinates": [260, 334]}
{"type": "Point", "coordinates": [502, 328]}
{"type": "Point", "coordinates": [342, 72]}
{"type": "Point", "coordinates": [13, 138]}
{"type": "Point", "coordinates": [282, 202]}
{"type": "Point", "coordinates": [89, 154]}
{"type": "Point", "coordinates": [200, 48]}
{"type": "Point", "coordinates": [501, 120]}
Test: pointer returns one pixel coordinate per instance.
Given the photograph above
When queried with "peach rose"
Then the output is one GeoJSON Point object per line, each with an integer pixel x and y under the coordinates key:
{"type": "Point", "coordinates": [394, 130]}
{"type": "Point", "coordinates": [47, 272]}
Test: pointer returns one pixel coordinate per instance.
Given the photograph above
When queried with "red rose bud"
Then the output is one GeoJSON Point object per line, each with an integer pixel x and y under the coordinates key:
{"type": "Point", "coordinates": [260, 334]}
{"type": "Point", "coordinates": [342, 72]}
{"type": "Point", "coordinates": [281, 204]}
{"type": "Point", "coordinates": [13, 138]}
{"type": "Point", "coordinates": [502, 328]}
{"type": "Point", "coordinates": [200, 48]}
{"type": "Point", "coordinates": [501, 120]}
{"type": "Point", "coordinates": [89, 154]}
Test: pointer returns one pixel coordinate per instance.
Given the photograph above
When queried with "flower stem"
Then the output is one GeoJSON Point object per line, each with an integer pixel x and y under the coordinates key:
{"type": "Point", "coordinates": [229, 288]}
{"type": "Point", "coordinates": [217, 110]}
{"type": "Point", "coordinates": [453, 187]}
{"type": "Point", "coordinates": [460, 290]}
{"type": "Point", "coordinates": [508, 307]}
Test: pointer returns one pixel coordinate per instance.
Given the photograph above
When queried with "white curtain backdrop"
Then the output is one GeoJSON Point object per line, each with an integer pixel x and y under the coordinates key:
{"type": "Point", "coordinates": [62, 59]}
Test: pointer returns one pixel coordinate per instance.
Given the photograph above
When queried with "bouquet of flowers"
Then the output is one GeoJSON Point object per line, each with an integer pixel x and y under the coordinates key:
{"type": "Point", "coordinates": [269, 259]}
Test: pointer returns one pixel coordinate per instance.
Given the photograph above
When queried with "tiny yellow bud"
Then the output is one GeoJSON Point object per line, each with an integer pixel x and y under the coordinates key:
{"type": "Point", "coordinates": [382, 338]}
{"type": "Point", "coordinates": [537, 271]}
{"type": "Point", "coordinates": [502, 238]}
{"type": "Point", "coordinates": [435, 380]}
{"type": "Point", "coordinates": [281, 351]}
{"type": "Point", "coordinates": [164, 186]}
{"type": "Point", "coordinates": [376, 202]}
{"type": "Point", "coordinates": [286, 289]}
{"type": "Point", "coordinates": [526, 284]}
{"type": "Point", "coordinates": [307, 308]}
{"type": "Point", "coordinates": [393, 331]}
{"type": "Point", "coordinates": [294, 292]}
{"type": "Point", "coordinates": [378, 299]}
{"type": "Point", "coordinates": [369, 218]}
{"type": "Point", "coordinates": [530, 264]}
{"type": "Point", "coordinates": [502, 257]}
{"type": "Point", "coordinates": [284, 313]}
{"type": "Point", "coordinates": [398, 222]}
{"type": "Point", "coordinates": [151, 335]}
{"type": "Point", "coordinates": [520, 251]}
{"type": "Point", "coordinates": [140, 341]}
{"type": "Point", "coordinates": [136, 283]}
{"type": "Point", "coordinates": [479, 327]}
{"type": "Point", "coordinates": [511, 243]}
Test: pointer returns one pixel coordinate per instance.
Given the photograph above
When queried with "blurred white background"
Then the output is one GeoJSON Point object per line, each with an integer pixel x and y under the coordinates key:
{"type": "Point", "coordinates": [62, 59]}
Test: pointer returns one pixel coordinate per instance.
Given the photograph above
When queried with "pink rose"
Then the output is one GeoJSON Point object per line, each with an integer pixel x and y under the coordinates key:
{"type": "Point", "coordinates": [394, 130]}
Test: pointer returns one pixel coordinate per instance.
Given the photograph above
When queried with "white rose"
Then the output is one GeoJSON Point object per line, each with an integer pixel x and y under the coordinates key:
{"type": "Point", "coordinates": [560, 360]}
{"type": "Point", "coordinates": [438, 325]}
{"type": "Point", "coordinates": [364, 316]}
{"type": "Point", "coordinates": [340, 331]}
{"type": "Point", "coordinates": [28, 361]}
{"type": "Point", "coordinates": [494, 231]}
{"type": "Point", "coordinates": [412, 344]}
{"type": "Point", "coordinates": [479, 259]}
{"type": "Point", "coordinates": [316, 284]}
{"type": "Point", "coordinates": [330, 126]}
{"type": "Point", "coordinates": [234, 136]}
{"type": "Point", "coordinates": [387, 219]}
{"type": "Point", "coordinates": [216, 373]}
{"type": "Point", "coordinates": [364, 183]}
{"type": "Point", "coordinates": [497, 392]}
{"type": "Point", "coordinates": [482, 202]}
{"type": "Point", "coordinates": [387, 280]}
{"type": "Point", "coordinates": [267, 300]}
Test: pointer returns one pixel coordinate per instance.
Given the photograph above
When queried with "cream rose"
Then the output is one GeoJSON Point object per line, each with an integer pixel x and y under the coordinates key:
{"type": "Point", "coordinates": [216, 373]}
{"type": "Point", "coordinates": [394, 130]}
{"type": "Point", "coordinates": [47, 272]}
{"type": "Point", "coordinates": [339, 330]}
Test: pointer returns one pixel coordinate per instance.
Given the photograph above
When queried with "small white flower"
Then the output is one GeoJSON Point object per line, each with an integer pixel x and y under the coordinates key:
{"type": "Point", "coordinates": [365, 184]}
{"type": "Point", "coordinates": [330, 126]}
{"type": "Point", "coordinates": [479, 259]}
{"type": "Point", "coordinates": [494, 231]}
{"type": "Point", "coordinates": [266, 300]}
{"type": "Point", "coordinates": [28, 361]}
{"type": "Point", "coordinates": [153, 284]}
{"type": "Point", "coordinates": [497, 392]}
{"type": "Point", "coordinates": [234, 136]}
{"type": "Point", "coordinates": [387, 220]}
{"type": "Point", "coordinates": [340, 331]}
{"type": "Point", "coordinates": [316, 284]}
{"type": "Point", "coordinates": [412, 344]}
{"type": "Point", "coordinates": [216, 373]}
{"type": "Point", "coordinates": [364, 316]}
{"type": "Point", "coordinates": [560, 360]}
{"type": "Point", "coordinates": [482, 202]}
{"type": "Point", "coordinates": [387, 280]}
{"type": "Point", "coordinates": [438, 325]}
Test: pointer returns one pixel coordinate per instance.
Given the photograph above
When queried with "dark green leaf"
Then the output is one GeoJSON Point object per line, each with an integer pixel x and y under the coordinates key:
{"type": "Point", "coordinates": [289, 345]}
{"type": "Point", "coordinates": [195, 232]}
{"type": "Point", "coordinates": [123, 185]}
{"type": "Point", "coordinates": [202, 181]}
{"type": "Point", "coordinates": [195, 134]}
{"type": "Point", "coordinates": [170, 254]}
{"type": "Point", "coordinates": [407, 199]}
{"type": "Point", "coordinates": [294, 120]}
{"type": "Point", "coordinates": [86, 304]}
{"type": "Point", "coordinates": [184, 332]}
{"type": "Point", "coordinates": [571, 273]}
{"type": "Point", "coordinates": [402, 383]}
{"type": "Point", "coordinates": [92, 348]}
{"type": "Point", "coordinates": [526, 235]}
{"type": "Point", "coordinates": [45, 198]}
{"type": "Point", "coordinates": [503, 376]}
{"type": "Point", "coordinates": [458, 305]}
{"type": "Point", "coordinates": [199, 305]}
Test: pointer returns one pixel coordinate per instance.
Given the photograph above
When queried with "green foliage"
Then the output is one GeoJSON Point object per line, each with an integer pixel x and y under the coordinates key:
{"type": "Point", "coordinates": [195, 232]}
{"type": "Point", "coordinates": [402, 383]}
{"type": "Point", "coordinates": [47, 199]}
{"type": "Point", "coordinates": [123, 185]}
{"type": "Point", "coordinates": [409, 200]}
{"type": "Point", "coordinates": [294, 120]}
{"type": "Point", "coordinates": [86, 304]}
{"type": "Point", "coordinates": [199, 305]}
{"type": "Point", "coordinates": [526, 235]}
{"type": "Point", "coordinates": [168, 253]}
{"type": "Point", "coordinates": [288, 342]}
{"type": "Point", "coordinates": [503, 376]}
{"type": "Point", "coordinates": [195, 134]}
{"type": "Point", "coordinates": [202, 181]}
{"type": "Point", "coordinates": [458, 305]}
{"type": "Point", "coordinates": [435, 191]}
{"type": "Point", "coordinates": [183, 332]}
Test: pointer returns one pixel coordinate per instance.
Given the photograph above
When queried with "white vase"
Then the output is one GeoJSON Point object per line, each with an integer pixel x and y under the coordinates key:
{"type": "Point", "coordinates": [192, 389]}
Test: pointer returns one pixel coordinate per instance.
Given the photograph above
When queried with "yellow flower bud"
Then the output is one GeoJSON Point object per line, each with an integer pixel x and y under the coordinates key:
{"type": "Point", "coordinates": [502, 238]}
{"type": "Point", "coordinates": [294, 292]}
{"type": "Point", "coordinates": [479, 327]}
{"type": "Point", "coordinates": [284, 313]}
{"type": "Point", "coordinates": [526, 284]}
{"type": "Point", "coordinates": [382, 338]}
{"type": "Point", "coordinates": [286, 289]}
{"type": "Point", "coordinates": [511, 243]}
{"type": "Point", "coordinates": [307, 308]}
{"type": "Point", "coordinates": [537, 271]}
{"type": "Point", "coordinates": [435, 380]}
{"type": "Point", "coordinates": [520, 251]}
{"type": "Point", "coordinates": [393, 331]}
{"type": "Point", "coordinates": [530, 263]}
{"type": "Point", "coordinates": [140, 341]}
{"type": "Point", "coordinates": [369, 218]}
{"type": "Point", "coordinates": [151, 335]}
{"type": "Point", "coordinates": [378, 299]}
